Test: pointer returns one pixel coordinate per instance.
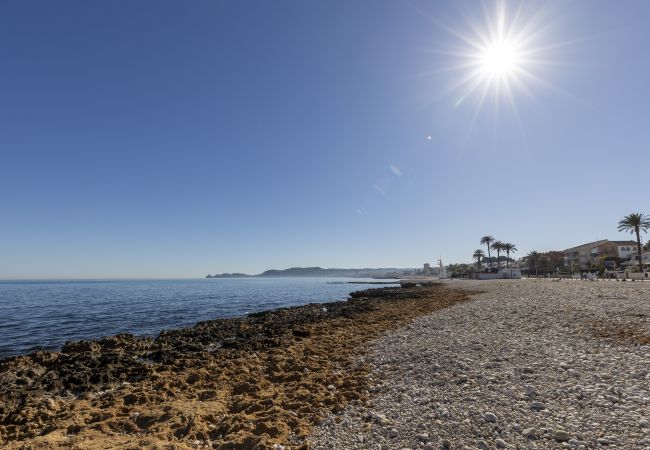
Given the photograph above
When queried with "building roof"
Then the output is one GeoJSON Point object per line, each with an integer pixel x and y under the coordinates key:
{"type": "Point", "coordinates": [624, 242]}
{"type": "Point", "coordinates": [588, 244]}
{"type": "Point", "coordinates": [602, 241]}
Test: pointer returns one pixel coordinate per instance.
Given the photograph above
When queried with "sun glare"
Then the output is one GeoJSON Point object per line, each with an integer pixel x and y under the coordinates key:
{"type": "Point", "coordinates": [499, 60]}
{"type": "Point", "coordinates": [500, 55]}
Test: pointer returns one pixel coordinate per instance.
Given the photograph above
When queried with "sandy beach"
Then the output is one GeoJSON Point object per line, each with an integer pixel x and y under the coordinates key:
{"type": "Point", "coordinates": [464, 365]}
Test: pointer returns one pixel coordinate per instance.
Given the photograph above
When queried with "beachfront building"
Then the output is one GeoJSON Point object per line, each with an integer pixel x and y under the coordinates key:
{"type": "Point", "coordinates": [586, 254]}
{"type": "Point", "coordinates": [626, 249]}
{"type": "Point", "coordinates": [593, 253]}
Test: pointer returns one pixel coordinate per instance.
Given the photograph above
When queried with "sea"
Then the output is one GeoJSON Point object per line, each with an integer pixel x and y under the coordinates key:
{"type": "Point", "coordinates": [43, 315]}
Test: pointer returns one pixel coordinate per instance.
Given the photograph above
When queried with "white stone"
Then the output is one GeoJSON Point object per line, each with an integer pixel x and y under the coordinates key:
{"type": "Point", "coordinates": [529, 432]}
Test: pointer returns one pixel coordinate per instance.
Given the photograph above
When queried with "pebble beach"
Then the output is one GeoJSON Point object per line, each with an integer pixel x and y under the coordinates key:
{"type": "Point", "coordinates": [462, 365]}
{"type": "Point", "coordinates": [528, 364]}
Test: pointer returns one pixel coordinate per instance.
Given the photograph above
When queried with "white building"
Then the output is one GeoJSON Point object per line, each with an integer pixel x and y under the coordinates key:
{"type": "Point", "coordinates": [626, 249]}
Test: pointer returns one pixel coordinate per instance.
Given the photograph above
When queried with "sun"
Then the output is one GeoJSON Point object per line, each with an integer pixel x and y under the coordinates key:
{"type": "Point", "coordinates": [498, 55]}
{"type": "Point", "coordinates": [500, 59]}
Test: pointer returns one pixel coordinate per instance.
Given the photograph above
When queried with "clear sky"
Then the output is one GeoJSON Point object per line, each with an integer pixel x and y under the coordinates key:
{"type": "Point", "coordinates": [175, 139]}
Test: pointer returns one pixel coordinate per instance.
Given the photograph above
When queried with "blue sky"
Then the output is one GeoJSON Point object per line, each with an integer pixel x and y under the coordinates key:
{"type": "Point", "coordinates": [167, 139]}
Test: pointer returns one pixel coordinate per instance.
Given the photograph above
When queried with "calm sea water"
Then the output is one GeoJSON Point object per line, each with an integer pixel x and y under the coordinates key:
{"type": "Point", "coordinates": [36, 315]}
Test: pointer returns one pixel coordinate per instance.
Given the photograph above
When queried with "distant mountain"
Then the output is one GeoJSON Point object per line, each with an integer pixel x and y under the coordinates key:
{"type": "Point", "coordinates": [229, 275]}
{"type": "Point", "coordinates": [318, 272]}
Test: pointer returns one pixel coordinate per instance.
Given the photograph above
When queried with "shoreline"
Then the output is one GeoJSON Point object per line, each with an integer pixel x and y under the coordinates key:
{"type": "Point", "coordinates": [261, 379]}
{"type": "Point", "coordinates": [44, 318]}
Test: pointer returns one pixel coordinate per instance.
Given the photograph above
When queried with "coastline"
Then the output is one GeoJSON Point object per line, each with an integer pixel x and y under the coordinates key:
{"type": "Point", "coordinates": [246, 382]}
{"type": "Point", "coordinates": [42, 317]}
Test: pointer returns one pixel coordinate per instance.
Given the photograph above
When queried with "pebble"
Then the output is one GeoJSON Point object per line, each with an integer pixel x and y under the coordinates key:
{"type": "Point", "coordinates": [489, 417]}
{"type": "Point", "coordinates": [530, 391]}
{"type": "Point", "coordinates": [537, 406]}
{"type": "Point", "coordinates": [529, 432]}
{"type": "Point", "coordinates": [527, 364]}
{"type": "Point", "coordinates": [379, 418]}
{"type": "Point", "coordinates": [561, 435]}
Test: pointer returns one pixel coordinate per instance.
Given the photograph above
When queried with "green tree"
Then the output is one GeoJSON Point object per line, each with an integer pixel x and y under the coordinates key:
{"type": "Point", "coordinates": [555, 259]}
{"type": "Point", "coordinates": [509, 248]}
{"type": "Point", "coordinates": [635, 223]}
{"type": "Point", "coordinates": [488, 240]}
{"type": "Point", "coordinates": [497, 246]}
{"type": "Point", "coordinates": [478, 255]}
{"type": "Point", "coordinates": [533, 257]}
{"type": "Point", "coordinates": [545, 263]}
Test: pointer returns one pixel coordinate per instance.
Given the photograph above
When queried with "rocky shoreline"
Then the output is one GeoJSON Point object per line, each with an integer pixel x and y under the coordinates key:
{"type": "Point", "coordinates": [251, 382]}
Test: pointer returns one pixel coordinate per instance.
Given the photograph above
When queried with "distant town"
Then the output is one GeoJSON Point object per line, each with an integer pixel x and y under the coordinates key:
{"type": "Point", "coordinates": [602, 256]}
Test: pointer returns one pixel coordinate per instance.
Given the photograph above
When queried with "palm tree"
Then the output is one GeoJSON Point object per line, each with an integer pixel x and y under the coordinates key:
{"type": "Point", "coordinates": [487, 240]}
{"type": "Point", "coordinates": [478, 254]}
{"type": "Point", "coordinates": [498, 247]}
{"type": "Point", "coordinates": [508, 247]}
{"type": "Point", "coordinates": [635, 223]}
{"type": "Point", "coordinates": [533, 256]}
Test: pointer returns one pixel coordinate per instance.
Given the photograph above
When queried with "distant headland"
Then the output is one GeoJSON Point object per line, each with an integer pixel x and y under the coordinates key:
{"type": "Point", "coordinates": [320, 272]}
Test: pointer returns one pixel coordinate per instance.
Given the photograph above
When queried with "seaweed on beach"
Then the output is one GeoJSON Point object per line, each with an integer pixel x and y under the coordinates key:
{"type": "Point", "coordinates": [259, 379]}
